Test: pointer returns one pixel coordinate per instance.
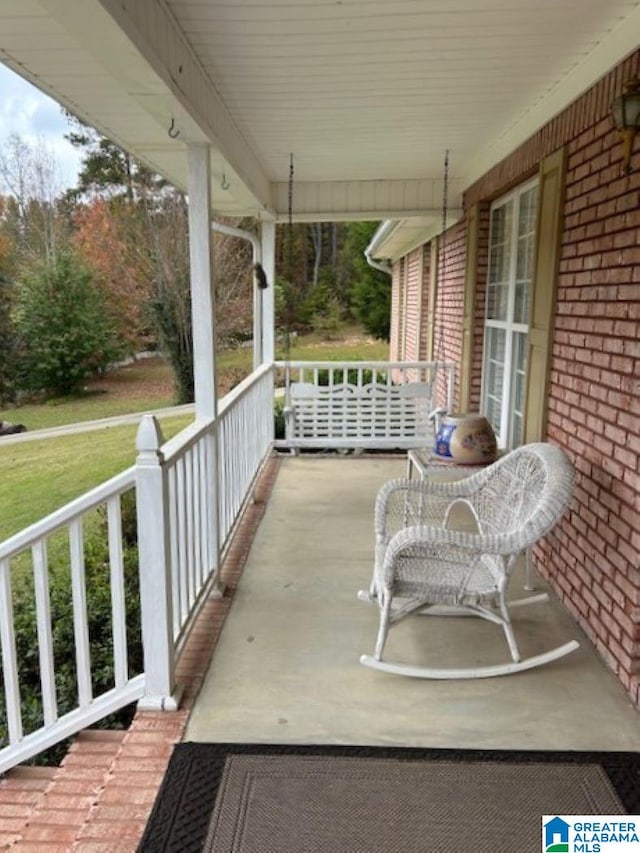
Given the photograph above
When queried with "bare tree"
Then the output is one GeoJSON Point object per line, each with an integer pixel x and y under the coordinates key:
{"type": "Point", "coordinates": [30, 176]}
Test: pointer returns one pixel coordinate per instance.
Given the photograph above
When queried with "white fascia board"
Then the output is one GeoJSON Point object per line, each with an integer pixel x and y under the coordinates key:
{"type": "Point", "coordinates": [396, 238]}
{"type": "Point", "coordinates": [622, 41]}
{"type": "Point", "coordinates": [160, 62]}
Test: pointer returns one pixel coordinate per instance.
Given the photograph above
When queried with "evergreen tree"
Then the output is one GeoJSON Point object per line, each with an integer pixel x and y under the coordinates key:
{"type": "Point", "coordinates": [107, 169]}
{"type": "Point", "coordinates": [64, 330]}
{"type": "Point", "coordinates": [371, 288]}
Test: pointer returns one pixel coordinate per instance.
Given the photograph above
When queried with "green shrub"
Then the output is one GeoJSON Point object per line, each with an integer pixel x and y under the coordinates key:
{"type": "Point", "coordinates": [350, 377]}
{"type": "Point", "coordinates": [278, 419]}
{"type": "Point", "coordinates": [327, 321]}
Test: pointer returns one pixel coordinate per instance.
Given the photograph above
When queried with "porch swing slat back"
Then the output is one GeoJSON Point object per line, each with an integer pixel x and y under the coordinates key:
{"type": "Point", "coordinates": [383, 405]}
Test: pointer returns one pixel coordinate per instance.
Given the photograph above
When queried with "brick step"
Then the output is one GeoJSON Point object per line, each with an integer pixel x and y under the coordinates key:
{"type": "Point", "coordinates": [21, 791]}
{"type": "Point", "coordinates": [66, 794]}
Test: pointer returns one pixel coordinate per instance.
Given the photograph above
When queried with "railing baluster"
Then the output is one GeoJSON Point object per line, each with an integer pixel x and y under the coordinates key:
{"type": "Point", "coordinates": [202, 516]}
{"type": "Point", "coordinates": [175, 557]}
{"type": "Point", "coordinates": [183, 534]}
{"type": "Point", "coordinates": [197, 541]}
{"type": "Point", "coordinates": [45, 638]}
{"type": "Point", "coordinates": [190, 528]}
{"type": "Point", "coordinates": [9, 656]}
{"type": "Point", "coordinates": [80, 623]}
{"type": "Point", "coordinates": [118, 598]}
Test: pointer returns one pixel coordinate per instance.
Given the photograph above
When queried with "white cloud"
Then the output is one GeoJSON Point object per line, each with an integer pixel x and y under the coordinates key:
{"type": "Point", "coordinates": [36, 119]}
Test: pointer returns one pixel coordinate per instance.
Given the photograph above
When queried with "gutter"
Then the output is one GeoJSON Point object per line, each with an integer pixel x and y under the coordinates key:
{"type": "Point", "coordinates": [230, 231]}
{"type": "Point", "coordinates": [256, 248]}
{"type": "Point", "coordinates": [383, 231]}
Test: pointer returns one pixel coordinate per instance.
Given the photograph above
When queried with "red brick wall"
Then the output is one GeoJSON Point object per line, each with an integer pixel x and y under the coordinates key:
{"type": "Point", "coordinates": [426, 292]}
{"type": "Point", "coordinates": [413, 302]}
{"type": "Point", "coordinates": [482, 273]}
{"type": "Point", "coordinates": [594, 408]}
{"type": "Point", "coordinates": [394, 332]}
{"type": "Point", "coordinates": [447, 344]}
{"type": "Point", "coordinates": [592, 557]}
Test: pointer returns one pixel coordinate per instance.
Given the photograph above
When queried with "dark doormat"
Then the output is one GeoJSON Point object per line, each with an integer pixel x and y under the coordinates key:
{"type": "Point", "coordinates": [326, 799]}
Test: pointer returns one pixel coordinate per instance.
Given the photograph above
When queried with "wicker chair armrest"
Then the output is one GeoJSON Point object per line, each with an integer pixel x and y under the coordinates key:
{"type": "Point", "coordinates": [466, 546]}
{"type": "Point", "coordinates": [431, 493]}
{"type": "Point", "coordinates": [494, 543]}
{"type": "Point", "coordinates": [469, 545]}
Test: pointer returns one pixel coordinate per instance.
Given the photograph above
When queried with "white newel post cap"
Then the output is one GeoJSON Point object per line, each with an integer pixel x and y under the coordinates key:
{"type": "Point", "coordinates": [149, 439]}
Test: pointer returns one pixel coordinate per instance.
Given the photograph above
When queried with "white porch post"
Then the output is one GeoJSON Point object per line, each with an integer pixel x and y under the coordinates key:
{"type": "Point", "coordinates": [155, 570]}
{"type": "Point", "coordinates": [268, 237]}
{"type": "Point", "coordinates": [203, 325]}
{"type": "Point", "coordinates": [202, 293]}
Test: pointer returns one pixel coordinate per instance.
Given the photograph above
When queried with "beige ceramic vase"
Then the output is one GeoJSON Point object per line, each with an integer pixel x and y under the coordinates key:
{"type": "Point", "coordinates": [466, 440]}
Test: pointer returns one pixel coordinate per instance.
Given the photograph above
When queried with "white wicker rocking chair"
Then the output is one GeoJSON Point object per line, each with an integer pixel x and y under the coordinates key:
{"type": "Point", "coordinates": [424, 565]}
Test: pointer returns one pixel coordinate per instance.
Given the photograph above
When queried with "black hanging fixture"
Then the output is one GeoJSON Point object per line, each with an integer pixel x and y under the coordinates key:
{"type": "Point", "coordinates": [260, 276]}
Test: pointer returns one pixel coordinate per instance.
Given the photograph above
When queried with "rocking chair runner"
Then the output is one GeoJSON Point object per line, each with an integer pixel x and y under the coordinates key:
{"type": "Point", "coordinates": [423, 564]}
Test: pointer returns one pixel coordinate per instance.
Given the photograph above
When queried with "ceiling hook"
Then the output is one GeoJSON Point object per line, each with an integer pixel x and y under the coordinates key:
{"type": "Point", "coordinates": [173, 132]}
{"type": "Point", "coordinates": [224, 183]}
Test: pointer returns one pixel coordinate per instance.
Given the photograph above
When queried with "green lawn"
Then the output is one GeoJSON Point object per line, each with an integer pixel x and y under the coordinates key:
{"type": "Point", "coordinates": [353, 347]}
{"type": "Point", "coordinates": [41, 476]}
{"type": "Point", "coordinates": [146, 384]}
{"type": "Point", "coordinates": [136, 388]}
{"type": "Point", "coordinates": [75, 410]}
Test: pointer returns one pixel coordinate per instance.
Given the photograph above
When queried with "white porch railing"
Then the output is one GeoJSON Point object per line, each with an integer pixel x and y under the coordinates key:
{"type": "Point", "coordinates": [26, 552]}
{"type": "Point", "coordinates": [184, 523]}
{"type": "Point", "coordinates": [364, 404]}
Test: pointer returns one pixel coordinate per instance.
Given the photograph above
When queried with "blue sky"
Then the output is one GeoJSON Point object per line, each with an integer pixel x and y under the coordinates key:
{"type": "Point", "coordinates": [34, 116]}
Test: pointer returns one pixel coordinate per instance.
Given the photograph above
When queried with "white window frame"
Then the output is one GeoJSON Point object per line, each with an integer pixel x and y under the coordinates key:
{"type": "Point", "coordinates": [504, 432]}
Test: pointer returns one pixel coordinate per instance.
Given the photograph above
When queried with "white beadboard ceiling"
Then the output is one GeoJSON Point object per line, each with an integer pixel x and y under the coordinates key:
{"type": "Point", "coordinates": [366, 94]}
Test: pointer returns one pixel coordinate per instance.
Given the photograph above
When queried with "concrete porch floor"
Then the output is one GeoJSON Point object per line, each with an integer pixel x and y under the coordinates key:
{"type": "Point", "coordinates": [286, 667]}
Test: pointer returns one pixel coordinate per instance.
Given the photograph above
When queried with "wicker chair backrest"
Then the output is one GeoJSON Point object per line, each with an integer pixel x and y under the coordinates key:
{"type": "Point", "coordinates": [526, 490]}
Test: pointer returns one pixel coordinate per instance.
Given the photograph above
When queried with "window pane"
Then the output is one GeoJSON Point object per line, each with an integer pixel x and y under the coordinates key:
{"type": "Point", "coordinates": [494, 376]}
{"type": "Point", "coordinates": [499, 264]}
{"type": "Point", "coordinates": [512, 243]}
{"type": "Point", "coordinates": [497, 301]}
{"type": "Point", "coordinates": [500, 243]}
{"type": "Point", "coordinates": [501, 223]}
{"type": "Point", "coordinates": [524, 261]}
{"type": "Point", "coordinates": [518, 382]}
{"type": "Point", "coordinates": [521, 303]}
{"type": "Point", "coordinates": [528, 211]}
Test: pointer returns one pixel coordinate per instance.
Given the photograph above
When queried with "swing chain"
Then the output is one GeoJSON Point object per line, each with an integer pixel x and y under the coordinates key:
{"type": "Point", "coordinates": [442, 253]}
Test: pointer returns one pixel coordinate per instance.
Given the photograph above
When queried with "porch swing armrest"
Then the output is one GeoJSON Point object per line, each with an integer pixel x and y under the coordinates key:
{"type": "Point", "coordinates": [435, 415]}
